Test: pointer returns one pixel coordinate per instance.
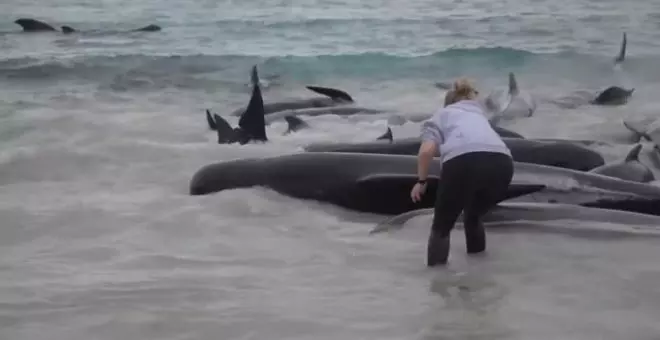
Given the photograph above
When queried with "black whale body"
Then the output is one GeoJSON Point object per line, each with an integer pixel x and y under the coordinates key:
{"type": "Point", "coordinates": [329, 177]}
{"type": "Point", "coordinates": [381, 184]}
{"type": "Point", "coordinates": [559, 154]}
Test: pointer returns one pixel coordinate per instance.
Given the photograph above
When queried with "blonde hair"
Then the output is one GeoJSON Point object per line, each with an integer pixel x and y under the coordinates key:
{"type": "Point", "coordinates": [461, 90]}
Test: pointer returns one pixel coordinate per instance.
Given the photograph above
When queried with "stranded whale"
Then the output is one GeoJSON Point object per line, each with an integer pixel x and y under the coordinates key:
{"type": "Point", "coordinates": [381, 184]}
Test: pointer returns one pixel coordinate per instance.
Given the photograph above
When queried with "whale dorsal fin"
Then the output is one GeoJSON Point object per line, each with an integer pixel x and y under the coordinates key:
{"type": "Point", "coordinates": [294, 124]}
{"type": "Point", "coordinates": [387, 135]}
{"type": "Point", "coordinates": [226, 134]}
{"type": "Point", "coordinates": [332, 93]}
{"type": "Point", "coordinates": [633, 155]}
{"type": "Point", "coordinates": [513, 85]}
{"type": "Point", "coordinates": [622, 51]}
{"type": "Point", "coordinates": [210, 121]}
{"type": "Point", "coordinates": [253, 120]}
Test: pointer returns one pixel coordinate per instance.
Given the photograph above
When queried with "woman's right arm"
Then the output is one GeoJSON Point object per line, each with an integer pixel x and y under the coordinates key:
{"type": "Point", "coordinates": [431, 131]}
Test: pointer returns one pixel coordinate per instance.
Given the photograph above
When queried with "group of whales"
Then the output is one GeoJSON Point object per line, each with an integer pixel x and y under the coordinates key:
{"type": "Point", "coordinates": [257, 114]}
{"type": "Point", "coordinates": [33, 25]}
{"type": "Point", "coordinates": [613, 95]}
{"type": "Point", "coordinates": [553, 178]}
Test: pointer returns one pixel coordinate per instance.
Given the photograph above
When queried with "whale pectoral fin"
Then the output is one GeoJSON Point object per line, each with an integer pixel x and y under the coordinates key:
{"type": "Point", "coordinates": [210, 121]}
{"type": "Point", "coordinates": [387, 135]}
{"type": "Point", "coordinates": [226, 134]}
{"type": "Point", "coordinates": [518, 190]}
{"type": "Point", "coordinates": [332, 93]}
{"type": "Point", "coordinates": [397, 222]}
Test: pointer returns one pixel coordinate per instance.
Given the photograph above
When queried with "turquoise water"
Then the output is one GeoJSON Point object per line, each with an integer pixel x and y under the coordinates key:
{"type": "Point", "coordinates": [101, 131]}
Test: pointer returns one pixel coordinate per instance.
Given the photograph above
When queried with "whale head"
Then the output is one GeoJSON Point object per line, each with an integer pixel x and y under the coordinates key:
{"type": "Point", "coordinates": [613, 95]}
{"type": "Point", "coordinates": [240, 173]}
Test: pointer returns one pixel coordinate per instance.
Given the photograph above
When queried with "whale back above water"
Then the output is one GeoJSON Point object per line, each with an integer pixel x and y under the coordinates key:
{"type": "Point", "coordinates": [331, 97]}
{"type": "Point", "coordinates": [381, 184]}
{"type": "Point", "coordinates": [505, 214]}
{"type": "Point", "coordinates": [367, 183]}
{"type": "Point", "coordinates": [558, 154]}
{"type": "Point", "coordinates": [33, 25]}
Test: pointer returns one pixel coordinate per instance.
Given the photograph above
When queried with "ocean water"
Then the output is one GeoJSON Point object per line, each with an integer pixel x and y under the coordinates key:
{"type": "Point", "coordinates": [100, 133]}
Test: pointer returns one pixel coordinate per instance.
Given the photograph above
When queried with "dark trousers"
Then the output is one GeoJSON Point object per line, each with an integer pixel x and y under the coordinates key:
{"type": "Point", "coordinates": [471, 183]}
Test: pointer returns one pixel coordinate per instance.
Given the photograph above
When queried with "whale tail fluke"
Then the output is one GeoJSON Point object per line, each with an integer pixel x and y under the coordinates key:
{"type": "Point", "coordinates": [622, 51]}
{"type": "Point", "coordinates": [210, 121]}
{"type": "Point", "coordinates": [294, 124]}
{"type": "Point", "coordinates": [332, 93]}
{"type": "Point", "coordinates": [518, 190]}
{"type": "Point", "coordinates": [387, 135]}
{"type": "Point", "coordinates": [226, 134]}
{"type": "Point", "coordinates": [633, 155]}
{"type": "Point", "coordinates": [254, 76]}
{"type": "Point", "coordinates": [639, 127]}
{"type": "Point", "coordinates": [253, 120]}
{"type": "Point", "coordinates": [513, 85]}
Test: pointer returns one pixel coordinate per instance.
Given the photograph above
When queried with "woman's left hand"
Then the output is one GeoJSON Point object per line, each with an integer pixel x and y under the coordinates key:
{"type": "Point", "coordinates": [417, 192]}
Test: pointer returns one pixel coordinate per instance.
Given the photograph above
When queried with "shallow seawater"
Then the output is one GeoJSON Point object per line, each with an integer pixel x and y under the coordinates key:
{"type": "Point", "coordinates": [101, 132]}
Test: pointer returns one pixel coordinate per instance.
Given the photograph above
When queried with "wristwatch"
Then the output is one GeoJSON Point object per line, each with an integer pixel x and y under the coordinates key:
{"type": "Point", "coordinates": [421, 181]}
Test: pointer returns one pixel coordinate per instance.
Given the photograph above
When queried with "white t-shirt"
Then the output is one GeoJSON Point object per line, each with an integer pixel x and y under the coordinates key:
{"type": "Point", "coordinates": [461, 128]}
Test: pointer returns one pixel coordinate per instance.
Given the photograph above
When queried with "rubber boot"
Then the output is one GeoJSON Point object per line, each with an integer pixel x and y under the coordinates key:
{"type": "Point", "coordinates": [437, 250]}
{"type": "Point", "coordinates": [475, 238]}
